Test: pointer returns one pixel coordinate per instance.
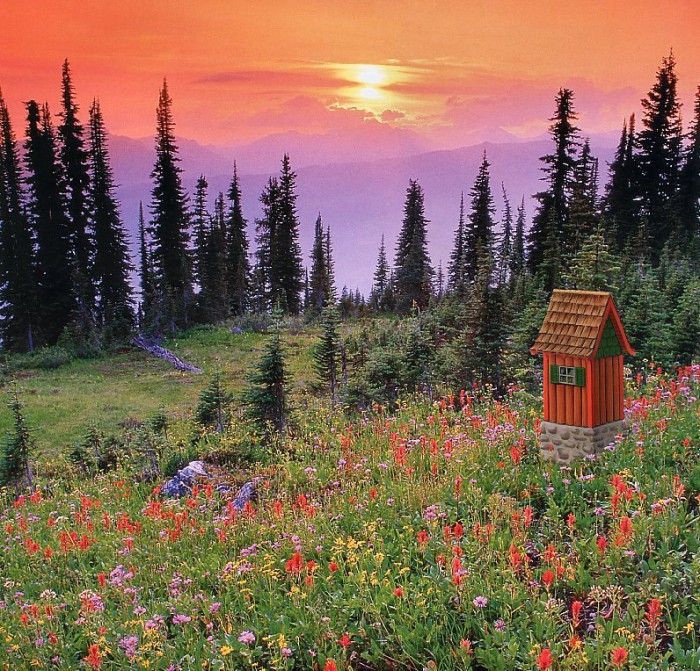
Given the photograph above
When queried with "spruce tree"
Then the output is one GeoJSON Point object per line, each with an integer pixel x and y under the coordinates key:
{"type": "Point", "coordinates": [478, 240]}
{"type": "Point", "coordinates": [47, 208]}
{"type": "Point", "coordinates": [214, 293]}
{"type": "Point", "coordinates": [620, 206]}
{"type": "Point", "coordinates": [170, 222]}
{"type": "Point", "coordinates": [266, 395]}
{"type": "Point", "coordinates": [517, 259]}
{"type": "Point", "coordinates": [214, 403]}
{"type": "Point", "coordinates": [327, 352]}
{"type": "Point", "coordinates": [583, 205]}
{"type": "Point", "coordinates": [17, 450]}
{"type": "Point", "coordinates": [505, 249]}
{"type": "Point", "coordinates": [238, 266]}
{"type": "Point", "coordinates": [660, 153]}
{"type": "Point", "coordinates": [115, 315]}
{"type": "Point", "coordinates": [74, 162]}
{"type": "Point", "coordinates": [330, 269]}
{"type": "Point", "coordinates": [286, 268]}
{"type": "Point", "coordinates": [19, 317]}
{"type": "Point", "coordinates": [146, 278]}
{"type": "Point", "coordinates": [594, 267]}
{"type": "Point", "coordinates": [456, 280]}
{"type": "Point", "coordinates": [688, 201]}
{"type": "Point", "coordinates": [413, 272]}
{"type": "Point", "coordinates": [685, 324]}
{"type": "Point", "coordinates": [318, 280]}
{"type": "Point", "coordinates": [440, 282]}
{"type": "Point", "coordinates": [266, 231]}
{"type": "Point", "coordinates": [201, 220]}
{"type": "Point", "coordinates": [549, 223]}
{"type": "Point", "coordinates": [381, 279]}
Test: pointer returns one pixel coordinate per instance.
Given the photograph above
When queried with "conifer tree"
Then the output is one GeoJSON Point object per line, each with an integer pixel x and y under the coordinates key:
{"type": "Point", "coordinates": [685, 324]}
{"type": "Point", "coordinates": [413, 272]}
{"type": "Point", "coordinates": [327, 352]}
{"type": "Point", "coordinates": [147, 280]}
{"type": "Point", "coordinates": [17, 450]}
{"type": "Point", "coordinates": [505, 250]}
{"type": "Point", "coordinates": [55, 258]}
{"type": "Point", "coordinates": [440, 282]}
{"type": "Point", "coordinates": [456, 280]}
{"type": "Point", "coordinates": [214, 294]}
{"type": "Point", "coordinates": [237, 257]}
{"type": "Point", "coordinates": [620, 205]}
{"type": "Point", "coordinates": [660, 153]}
{"type": "Point", "coordinates": [266, 395]}
{"type": "Point", "coordinates": [594, 267]}
{"type": "Point", "coordinates": [115, 315]}
{"type": "Point", "coordinates": [286, 268]}
{"type": "Point", "coordinates": [381, 279]}
{"type": "Point", "coordinates": [74, 162]}
{"type": "Point", "coordinates": [583, 204]}
{"type": "Point", "coordinates": [330, 269]}
{"type": "Point", "coordinates": [478, 239]}
{"type": "Point", "coordinates": [318, 280]}
{"type": "Point", "coordinates": [201, 225]}
{"type": "Point", "coordinates": [517, 259]}
{"type": "Point", "coordinates": [265, 228]}
{"type": "Point", "coordinates": [549, 223]}
{"type": "Point", "coordinates": [688, 203]}
{"type": "Point", "coordinates": [170, 222]}
{"type": "Point", "coordinates": [19, 318]}
{"type": "Point", "coordinates": [214, 403]}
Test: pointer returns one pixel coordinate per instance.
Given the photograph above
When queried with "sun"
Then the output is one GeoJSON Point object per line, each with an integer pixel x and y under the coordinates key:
{"type": "Point", "coordinates": [370, 75]}
{"type": "Point", "coordinates": [370, 93]}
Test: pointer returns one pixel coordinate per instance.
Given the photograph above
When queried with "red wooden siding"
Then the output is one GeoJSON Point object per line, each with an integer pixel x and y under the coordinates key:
{"type": "Point", "coordinates": [599, 401]}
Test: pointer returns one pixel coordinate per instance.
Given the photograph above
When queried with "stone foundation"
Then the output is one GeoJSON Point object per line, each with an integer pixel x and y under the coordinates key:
{"type": "Point", "coordinates": [563, 443]}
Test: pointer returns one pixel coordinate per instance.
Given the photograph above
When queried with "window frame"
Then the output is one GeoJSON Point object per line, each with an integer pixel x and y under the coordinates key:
{"type": "Point", "coordinates": [567, 375]}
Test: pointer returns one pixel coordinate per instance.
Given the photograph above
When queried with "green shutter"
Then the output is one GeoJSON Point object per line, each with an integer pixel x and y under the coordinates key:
{"type": "Point", "coordinates": [554, 373]}
{"type": "Point", "coordinates": [580, 377]}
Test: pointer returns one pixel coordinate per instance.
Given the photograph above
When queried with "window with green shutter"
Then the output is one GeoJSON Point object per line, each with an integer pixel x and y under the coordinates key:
{"type": "Point", "coordinates": [573, 375]}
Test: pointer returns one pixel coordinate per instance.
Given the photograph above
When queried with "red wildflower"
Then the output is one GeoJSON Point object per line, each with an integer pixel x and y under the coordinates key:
{"type": "Point", "coordinates": [345, 641]}
{"type": "Point", "coordinates": [548, 578]}
{"type": "Point", "coordinates": [515, 454]}
{"type": "Point", "coordinates": [94, 658]}
{"type": "Point", "coordinates": [330, 665]}
{"type": "Point", "coordinates": [333, 567]}
{"type": "Point", "coordinates": [571, 521]}
{"type": "Point", "coordinates": [602, 544]}
{"type": "Point", "coordinates": [527, 516]}
{"type": "Point", "coordinates": [398, 592]}
{"type": "Point", "coordinates": [422, 537]}
{"type": "Point", "coordinates": [295, 564]}
{"type": "Point", "coordinates": [653, 613]}
{"type": "Point", "coordinates": [618, 657]}
{"type": "Point", "coordinates": [544, 660]}
{"type": "Point", "coordinates": [576, 607]}
{"type": "Point", "coordinates": [466, 645]}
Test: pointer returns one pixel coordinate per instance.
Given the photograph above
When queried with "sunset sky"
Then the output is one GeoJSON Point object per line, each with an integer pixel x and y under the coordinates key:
{"type": "Point", "coordinates": [451, 72]}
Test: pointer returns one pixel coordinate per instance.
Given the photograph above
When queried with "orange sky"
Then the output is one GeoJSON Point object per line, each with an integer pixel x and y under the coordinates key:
{"type": "Point", "coordinates": [450, 70]}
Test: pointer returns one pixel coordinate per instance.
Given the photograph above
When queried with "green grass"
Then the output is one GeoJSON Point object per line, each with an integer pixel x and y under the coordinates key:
{"type": "Point", "coordinates": [62, 403]}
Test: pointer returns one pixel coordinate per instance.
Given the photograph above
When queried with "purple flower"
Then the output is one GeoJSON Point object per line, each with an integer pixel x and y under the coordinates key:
{"type": "Point", "coordinates": [129, 645]}
{"type": "Point", "coordinates": [181, 619]}
{"type": "Point", "coordinates": [499, 625]}
{"type": "Point", "coordinates": [247, 637]}
{"type": "Point", "coordinates": [480, 602]}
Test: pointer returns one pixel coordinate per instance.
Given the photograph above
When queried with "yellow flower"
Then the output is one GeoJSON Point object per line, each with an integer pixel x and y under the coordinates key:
{"type": "Point", "coordinates": [226, 650]}
{"type": "Point", "coordinates": [689, 627]}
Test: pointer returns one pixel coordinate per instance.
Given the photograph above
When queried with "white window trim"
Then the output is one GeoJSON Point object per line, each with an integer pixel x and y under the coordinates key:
{"type": "Point", "coordinates": [567, 375]}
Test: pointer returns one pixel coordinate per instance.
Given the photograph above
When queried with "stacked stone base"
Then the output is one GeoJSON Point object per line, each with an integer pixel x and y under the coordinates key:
{"type": "Point", "coordinates": [563, 443]}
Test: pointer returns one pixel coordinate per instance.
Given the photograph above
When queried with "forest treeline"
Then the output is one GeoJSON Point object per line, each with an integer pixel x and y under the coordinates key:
{"type": "Point", "coordinates": [65, 260]}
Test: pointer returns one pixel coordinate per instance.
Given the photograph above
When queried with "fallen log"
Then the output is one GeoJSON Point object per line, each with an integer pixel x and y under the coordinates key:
{"type": "Point", "coordinates": [162, 353]}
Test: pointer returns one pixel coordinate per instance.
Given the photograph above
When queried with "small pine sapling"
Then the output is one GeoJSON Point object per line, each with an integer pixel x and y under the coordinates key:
{"type": "Point", "coordinates": [15, 465]}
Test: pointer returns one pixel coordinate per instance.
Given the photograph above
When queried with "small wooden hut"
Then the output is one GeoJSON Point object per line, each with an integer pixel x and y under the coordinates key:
{"type": "Point", "coordinates": [583, 343]}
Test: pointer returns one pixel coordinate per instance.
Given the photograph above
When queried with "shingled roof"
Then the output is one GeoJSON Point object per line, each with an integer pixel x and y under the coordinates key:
{"type": "Point", "coordinates": [574, 323]}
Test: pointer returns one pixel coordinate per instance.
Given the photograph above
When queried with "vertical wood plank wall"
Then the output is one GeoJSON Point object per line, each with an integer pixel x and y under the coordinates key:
{"type": "Point", "coordinates": [599, 401]}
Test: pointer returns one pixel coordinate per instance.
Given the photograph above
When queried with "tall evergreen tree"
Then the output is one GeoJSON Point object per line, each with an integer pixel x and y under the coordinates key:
{"type": "Point", "coordinates": [583, 205]}
{"type": "Point", "coordinates": [413, 272]}
{"type": "Point", "coordinates": [594, 267]}
{"type": "Point", "coordinates": [517, 258]}
{"type": "Point", "coordinates": [19, 318]}
{"type": "Point", "coordinates": [327, 352]}
{"type": "Point", "coordinates": [549, 223]}
{"type": "Point", "coordinates": [317, 279]}
{"type": "Point", "coordinates": [381, 279]}
{"type": "Point", "coordinates": [479, 232]}
{"type": "Point", "coordinates": [214, 293]}
{"type": "Point", "coordinates": [266, 230]}
{"type": "Point", "coordinates": [147, 280]}
{"type": "Point", "coordinates": [286, 268]}
{"type": "Point", "coordinates": [201, 226]}
{"type": "Point", "coordinates": [659, 153]}
{"type": "Point", "coordinates": [331, 291]}
{"type": "Point", "coordinates": [237, 256]}
{"type": "Point", "coordinates": [170, 222]}
{"type": "Point", "coordinates": [620, 206]}
{"type": "Point", "coordinates": [505, 249]}
{"type": "Point", "coordinates": [115, 315]}
{"type": "Point", "coordinates": [74, 161]}
{"type": "Point", "coordinates": [55, 259]}
{"type": "Point", "coordinates": [688, 204]}
{"type": "Point", "coordinates": [456, 280]}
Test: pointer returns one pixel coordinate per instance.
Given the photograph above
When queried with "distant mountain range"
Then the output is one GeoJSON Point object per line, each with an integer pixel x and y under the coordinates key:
{"type": "Point", "coordinates": [358, 191]}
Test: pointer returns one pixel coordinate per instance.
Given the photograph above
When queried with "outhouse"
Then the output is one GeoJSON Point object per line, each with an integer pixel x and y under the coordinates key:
{"type": "Point", "coordinates": [583, 343]}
